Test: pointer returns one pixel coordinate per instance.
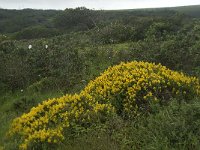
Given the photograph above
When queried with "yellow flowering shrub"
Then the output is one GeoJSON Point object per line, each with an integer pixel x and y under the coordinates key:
{"type": "Point", "coordinates": [125, 89]}
{"type": "Point", "coordinates": [45, 123]}
{"type": "Point", "coordinates": [129, 86]}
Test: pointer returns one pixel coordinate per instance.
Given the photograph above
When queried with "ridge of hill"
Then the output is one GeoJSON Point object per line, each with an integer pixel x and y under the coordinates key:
{"type": "Point", "coordinates": [14, 21]}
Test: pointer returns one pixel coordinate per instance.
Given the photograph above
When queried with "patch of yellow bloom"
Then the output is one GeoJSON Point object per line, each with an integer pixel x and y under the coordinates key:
{"type": "Point", "coordinates": [127, 88]}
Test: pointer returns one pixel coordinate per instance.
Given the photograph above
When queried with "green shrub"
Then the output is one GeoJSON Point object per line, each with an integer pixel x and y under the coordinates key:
{"type": "Point", "coordinates": [173, 127]}
{"type": "Point", "coordinates": [114, 33]}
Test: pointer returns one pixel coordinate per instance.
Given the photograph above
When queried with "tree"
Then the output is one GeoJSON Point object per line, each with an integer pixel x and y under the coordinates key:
{"type": "Point", "coordinates": [80, 18]}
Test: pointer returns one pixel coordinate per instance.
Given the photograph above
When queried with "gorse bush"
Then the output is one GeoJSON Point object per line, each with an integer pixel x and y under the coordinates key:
{"type": "Point", "coordinates": [46, 122]}
{"type": "Point", "coordinates": [130, 86]}
{"type": "Point", "coordinates": [126, 90]}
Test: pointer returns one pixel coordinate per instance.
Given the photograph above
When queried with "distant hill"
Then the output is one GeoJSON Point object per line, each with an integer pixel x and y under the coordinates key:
{"type": "Point", "coordinates": [16, 20]}
{"type": "Point", "coordinates": [31, 24]}
{"type": "Point", "coordinates": [193, 10]}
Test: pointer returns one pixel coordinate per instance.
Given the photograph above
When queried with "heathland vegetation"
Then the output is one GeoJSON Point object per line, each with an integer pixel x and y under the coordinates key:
{"type": "Point", "coordinates": [88, 79]}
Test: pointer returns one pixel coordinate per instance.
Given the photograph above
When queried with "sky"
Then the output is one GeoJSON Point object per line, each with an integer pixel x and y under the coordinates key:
{"type": "Point", "coordinates": [94, 4]}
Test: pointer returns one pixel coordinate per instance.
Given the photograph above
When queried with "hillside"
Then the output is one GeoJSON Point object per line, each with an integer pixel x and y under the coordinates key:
{"type": "Point", "coordinates": [101, 80]}
{"type": "Point", "coordinates": [21, 24]}
{"type": "Point", "coordinates": [16, 20]}
{"type": "Point", "coordinates": [192, 11]}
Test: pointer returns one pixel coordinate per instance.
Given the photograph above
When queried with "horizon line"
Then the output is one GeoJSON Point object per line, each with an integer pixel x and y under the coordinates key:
{"type": "Point", "coordinates": [99, 8]}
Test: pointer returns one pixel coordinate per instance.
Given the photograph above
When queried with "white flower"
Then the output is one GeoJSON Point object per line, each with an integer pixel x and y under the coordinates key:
{"type": "Point", "coordinates": [46, 46]}
{"type": "Point", "coordinates": [30, 46]}
{"type": "Point", "coordinates": [22, 90]}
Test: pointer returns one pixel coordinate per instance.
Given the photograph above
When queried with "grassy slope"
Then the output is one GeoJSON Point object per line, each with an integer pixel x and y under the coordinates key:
{"type": "Point", "coordinates": [8, 109]}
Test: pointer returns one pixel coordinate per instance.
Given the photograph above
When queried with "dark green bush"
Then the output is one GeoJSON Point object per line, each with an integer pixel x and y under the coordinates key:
{"type": "Point", "coordinates": [114, 33]}
{"type": "Point", "coordinates": [79, 19]}
{"type": "Point", "coordinates": [36, 32]}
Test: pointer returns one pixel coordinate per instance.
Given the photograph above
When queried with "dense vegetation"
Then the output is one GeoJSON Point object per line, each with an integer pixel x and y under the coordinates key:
{"type": "Point", "coordinates": [46, 54]}
{"type": "Point", "coordinates": [21, 24]}
{"type": "Point", "coordinates": [125, 90]}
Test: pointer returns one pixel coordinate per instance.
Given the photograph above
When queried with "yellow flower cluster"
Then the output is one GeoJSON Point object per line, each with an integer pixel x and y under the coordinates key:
{"type": "Point", "coordinates": [45, 123]}
{"type": "Point", "coordinates": [137, 82]}
{"type": "Point", "coordinates": [125, 88]}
